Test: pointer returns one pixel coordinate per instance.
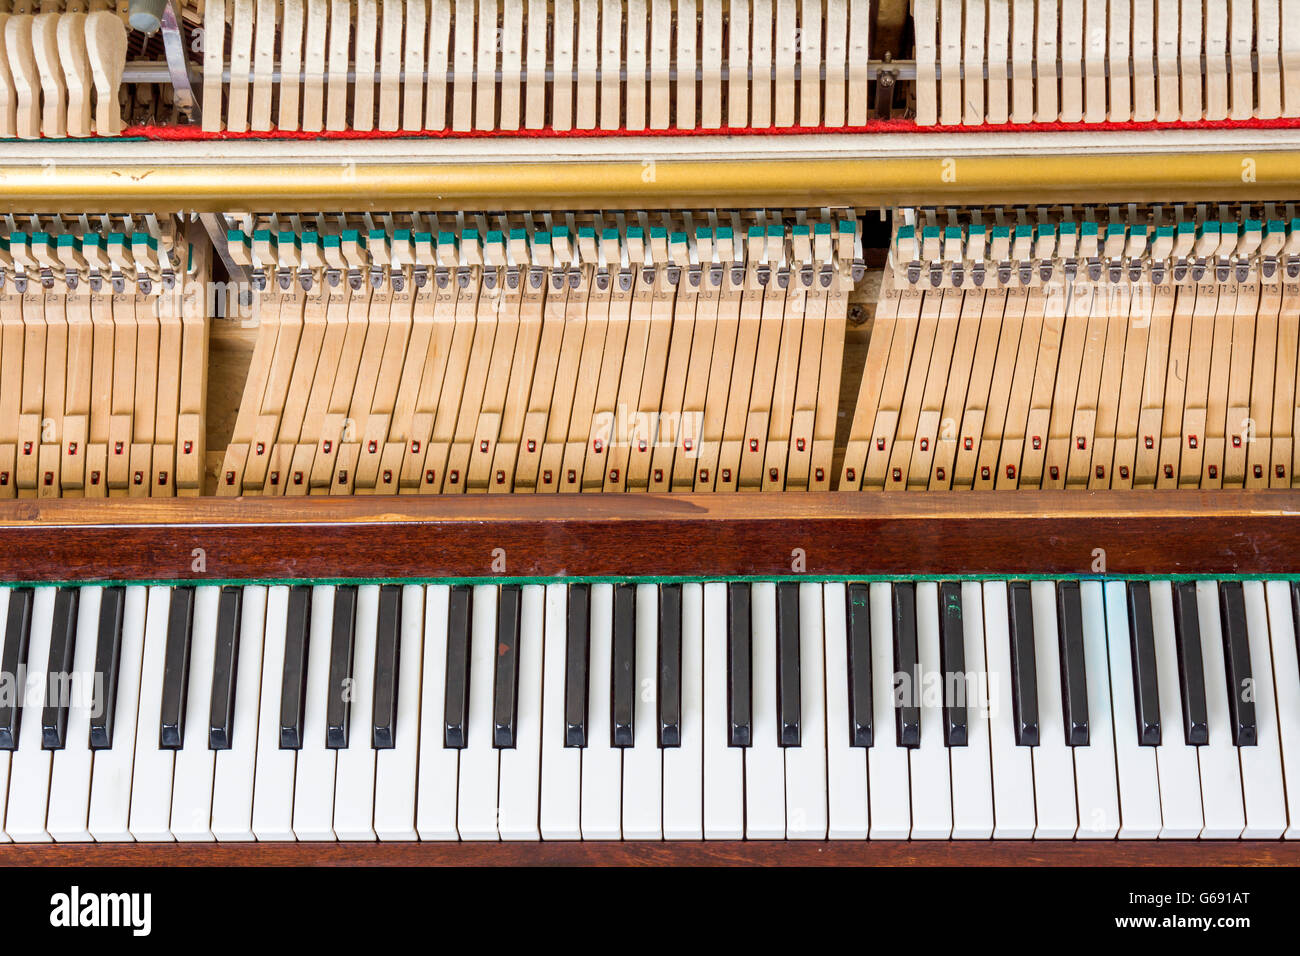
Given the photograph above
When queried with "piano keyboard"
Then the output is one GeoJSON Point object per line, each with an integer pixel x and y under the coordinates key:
{"type": "Point", "coordinates": [921, 709]}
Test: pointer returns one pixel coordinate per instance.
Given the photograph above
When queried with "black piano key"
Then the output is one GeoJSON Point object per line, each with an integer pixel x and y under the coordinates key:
{"type": "Point", "coordinates": [293, 683]}
{"type": "Point", "coordinates": [58, 686]}
{"type": "Point", "coordinates": [108, 657]}
{"type": "Point", "coordinates": [338, 704]}
{"type": "Point", "coordinates": [788, 692]}
{"type": "Point", "coordinates": [907, 716]}
{"type": "Point", "coordinates": [952, 662]}
{"type": "Point", "coordinates": [670, 665]}
{"type": "Point", "coordinates": [225, 661]}
{"type": "Point", "coordinates": [1146, 691]}
{"type": "Point", "coordinates": [1295, 614]}
{"type": "Point", "coordinates": [1191, 665]}
{"type": "Point", "coordinates": [455, 715]}
{"type": "Point", "coordinates": [858, 614]}
{"type": "Point", "coordinates": [740, 683]}
{"type": "Point", "coordinates": [176, 668]}
{"type": "Point", "coordinates": [575, 665]}
{"type": "Point", "coordinates": [1024, 664]}
{"type": "Point", "coordinates": [18, 630]}
{"type": "Point", "coordinates": [1236, 658]}
{"type": "Point", "coordinates": [505, 703]}
{"type": "Point", "coordinates": [623, 679]}
{"type": "Point", "coordinates": [1074, 677]}
{"type": "Point", "coordinates": [388, 635]}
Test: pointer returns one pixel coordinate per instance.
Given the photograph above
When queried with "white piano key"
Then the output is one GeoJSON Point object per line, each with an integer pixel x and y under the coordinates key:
{"type": "Point", "coordinates": [192, 786]}
{"type": "Point", "coordinates": [1054, 799]}
{"type": "Point", "coordinates": [435, 807]}
{"type": "Point", "coordinates": [1286, 686]}
{"type": "Point", "coordinates": [521, 764]}
{"type": "Point", "coordinates": [151, 783]}
{"type": "Point", "coordinates": [928, 764]}
{"type": "Point", "coordinates": [888, 780]}
{"type": "Point", "coordinates": [846, 765]}
{"type": "Point", "coordinates": [684, 766]}
{"type": "Point", "coordinates": [232, 786]}
{"type": "Point", "coordinates": [724, 776]}
{"type": "Point", "coordinates": [1180, 779]}
{"type": "Point", "coordinates": [29, 773]}
{"type": "Point", "coordinates": [972, 780]}
{"type": "Point", "coordinates": [1094, 764]}
{"type": "Point", "coordinates": [805, 765]}
{"type": "Point", "coordinates": [12, 679]}
{"type": "Point", "coordinates": [274, 776]}
{"type": "Point", "coordinates": [1225, 814]}
{"type": "Point", "coordinates": [1013, 772]}
{"type": "Point", "coordinates": [764, 759]}
{"type": "Point", "coordinates": [313, 792]}
{"type": "Point", "coordinates": [396, 768]}
{"type": "Point", "coordinates": [1261, 765]}
{"type": "Point", "coordinates": [110, 782]}
{"type": "Point", "coordinates": [476, 816]}
{"type": "Point", "coordinates": [354, 779]}
{"type": "Point", "coordinates": [643, 763]}
{"type": "Point", "coordinates": [1139, 784]}
{"type": "Point", "coordinates": [69, 811]}
{"type": "Point", "coordinates": [602, 763]}
{"type": "Point", "coordinates": [561, 765]}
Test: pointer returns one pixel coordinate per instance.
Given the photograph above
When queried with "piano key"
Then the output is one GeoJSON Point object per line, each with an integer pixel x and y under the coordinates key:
{"type": "Point", "coordinates": [928, 766]}
{"type": "Point", "coordinates": [765, 794]}
{"type": "Point", "coordinates": [858, 613]}
{"type": "Point", "coordinates": [108, 657]}
{"type": "Point", "coordinates": [1135, 762]}
{"type": "Point", "coordinates": [1013, 772]}
{"type": "Point", "coordinates": [338, 709]}
{"type": "Point", "coordinates": [1180, 784]}
{"type": "Point", "coordinates": [13, 700]}
{"type": "Point", "coordinates": [805, 764]}
{"type": "Point", "coordinates": [724, 783]}
{"type": "Point", "coordinates": [888, 783]}
{"type": "Point", "coordinates": [180, 623]}
{"type": "Point", "coordinates": [683, 765]}
{"type": "Point", "coordinates": [191, 817]}
{"type": "Point", "coordinates": [354, 780]}
{"type": "Point", "coordinates": [236, 764]}
{"type": "Point", "coordinates": [643, 760]}
{"type": "Point", "coordinates": [313, 792]}
{"type": "Point", "coordinates": [561, 763]}
{"type": "Point", "coordinates": [907, 716]}
{"type": "Point", "coordinates": [1055, 807]}
{"type": "Point", "coordinates": [1074, 674]}
{"type": "Point", "coordinates": [70, 775]}
{"type": "Point", "coordinates": [476, 813]}
{"type": "Point", "coordinates": [846, 764]}
{"type": "Point", "coordinates": [1283, 618]}
{"type": "Point", "coordinates": [1094, 760]}
{"type": "Point", "coordinates": [1024, 669]}
{"type": "Point", "coordinates": [18, 629]}
{"type": "Point", "coordinates": [456, 695]}
{"type": "Point", "coordinates": [1146, 689]}
{"type": "Point", "coordinates": [521, 764]}
{"type": "Point", "coordinates": [1261, 764]}
{"type": "Point", "coordinates": [952, 662]}
{"type": "Point", "coordinates": [602, 763]}
{"type": "Point", "coordinates": [225, 670]}
{"type": "Point", "coordinates": [669, 692]}
{"type": "Point", "coordinates": [438, 767]}
{"type": "Point", "coordinates": [739, 667]}
{"type": "Point", "coordinates": [58, 670]}
{"type": "Point", "coordinates": [293, 678]}
{"type": "Point", "coordinates": [1237, 659]}
{"type": "Point", "coordinates": [624, 673]}
{"type": "Point", "coordinates": [396, 764]}
{"type": "Point", "coordinates": [1219, 760]}
{"type": "Point", "coordinates": [383, 723]}
{"type": "Point", "coordinates": [1191, 663]}
{"type": "Point", "coordinates": [787, 671]}
{"type": "Point", "coordinates": [286, 608]}
{"type": "Point", "coordinates": [29, 768]}
{"type": "Point", "coordinates": [151, 783]}
{"type": "Point", "coordinates": [110, 782]}
{"type": "Point", "coordinates": [576, 680]}
{"type": "Point", "coordinates": [972, 781]}
{"type": "Point", "coordinates": [506, 680]}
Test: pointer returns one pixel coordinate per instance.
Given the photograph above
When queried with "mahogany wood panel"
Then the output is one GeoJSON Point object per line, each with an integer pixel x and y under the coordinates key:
{"type": "Point", "coordinates": [1156, 532]}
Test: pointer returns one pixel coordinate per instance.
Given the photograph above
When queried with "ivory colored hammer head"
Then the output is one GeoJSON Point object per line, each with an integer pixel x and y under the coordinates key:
{"type": "Point", "coordinates": [71, 36]}
{"type": "Point", "coordinates": [106, 48]}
